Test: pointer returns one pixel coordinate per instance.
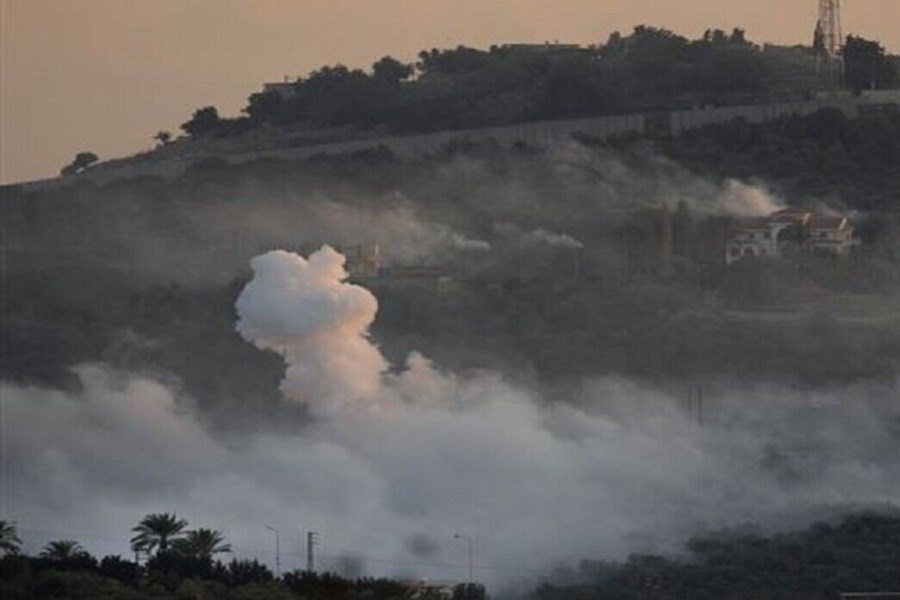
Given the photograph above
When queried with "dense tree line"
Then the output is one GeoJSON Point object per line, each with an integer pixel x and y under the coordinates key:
{"type": "Point", "coordinates": [824, 155]}
{"type": "Point", "coordinates": [857, 554]}
{"type": "Point", "coordinates": [180, 564]}
{"type": "Point", "coordinates": [646, 70]}
{"type": "Point", "coordinates": [518, 315]}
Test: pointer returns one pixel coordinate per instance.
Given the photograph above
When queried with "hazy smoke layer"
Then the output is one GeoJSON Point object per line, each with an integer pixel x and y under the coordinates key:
{"type": "Point", "coordinates": [743, 200]}
{"type": "Point", "coordinates": [619, 468]}
{"type": "Point", "coordinates": [535, 485]}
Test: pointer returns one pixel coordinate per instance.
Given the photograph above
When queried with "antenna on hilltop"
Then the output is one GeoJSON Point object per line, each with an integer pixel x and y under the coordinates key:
{"type": "Point", "coordinates": [829, 38]}
{"type": "Point", "coordinates": [830, 25]}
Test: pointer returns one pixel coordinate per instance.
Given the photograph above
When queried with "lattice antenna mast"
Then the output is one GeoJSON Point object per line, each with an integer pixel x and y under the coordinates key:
{"type": "Point", "coordinates": [830, 28]}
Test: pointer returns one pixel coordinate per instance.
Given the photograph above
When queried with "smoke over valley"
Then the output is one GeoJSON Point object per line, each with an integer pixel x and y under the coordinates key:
{"type": "Point", "coordinates": [540, 349]}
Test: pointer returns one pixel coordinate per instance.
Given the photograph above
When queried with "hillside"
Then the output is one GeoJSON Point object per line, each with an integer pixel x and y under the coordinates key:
{"type": "Point", "coordinates": [142, 272]}
{"type": "Point", "coordinates": [544, 348]}
{"type": "Point", "coordinates": [648, 70]}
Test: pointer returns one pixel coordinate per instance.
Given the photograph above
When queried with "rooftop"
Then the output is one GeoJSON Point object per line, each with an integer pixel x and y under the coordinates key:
{"type": "Point", "coordinates": [828, 222]}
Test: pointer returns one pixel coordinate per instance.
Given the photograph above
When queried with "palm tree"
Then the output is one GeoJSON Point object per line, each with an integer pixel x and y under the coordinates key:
{"type": "Point", "coordinates": [157, 531]}
{"type": "Point", "coordinates": [63, 550]}
{"type": "Point", "coordinates": [201, 543]}
{"type": "Point", "coordinates": [9, 541]}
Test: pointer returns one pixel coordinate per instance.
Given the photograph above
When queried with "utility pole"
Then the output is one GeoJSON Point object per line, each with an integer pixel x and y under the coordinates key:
{"type": "Point", "coordinates": [830, 24]}
{"type": "Point", "coordinates": [312, 540]}
{"type": "Point", "coordinates": [468, 539]}
{"type": "Point", "coordinates": [277, 550]}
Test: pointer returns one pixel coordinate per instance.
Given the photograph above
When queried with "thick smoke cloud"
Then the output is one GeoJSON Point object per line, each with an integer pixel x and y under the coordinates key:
{"type": "Point", "coordinates": [535, 484]}
{"type": "Point", "coordinates": [621, 467]}
{"type": "Point", "coordinates": [305, 311]}
{"type": "Point", "coordinates": [396, 461]}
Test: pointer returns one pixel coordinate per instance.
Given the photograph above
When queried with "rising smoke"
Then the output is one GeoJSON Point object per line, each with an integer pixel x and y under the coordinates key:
{"type": "Point", "coordinates": [398, 458]}
{"type": "Point", "coordinates": [395, 463]}
{"type": "Point", "coordinates": [305, 311]}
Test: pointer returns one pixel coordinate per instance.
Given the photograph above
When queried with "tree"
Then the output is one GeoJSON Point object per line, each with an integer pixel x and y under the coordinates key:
{"type": "Point", "coordinates": [203, 121]}
{"type": "Point", "coordinates": [866, 65]}
{"type": "Point", "coordinates": [124, 571]}
{"type": "Point", "coordinates": [9, 541]}
{"type": "Point", "coordinates": [81, 162]}
{"type": "Point", "coordinates": [201, 543]}
{"type": "Point", "coordinates": [264, 107]}
{"type": "Point", "coordinates": [163, 137]}
{"type": "Point", "coordinates": [156, 532]}
{"type": "Point", "coordinates": [243, 572]}
{"type": "Point", "coordinates": [391, 71]}
{"type": "Point", "coordinates": [63, 550]}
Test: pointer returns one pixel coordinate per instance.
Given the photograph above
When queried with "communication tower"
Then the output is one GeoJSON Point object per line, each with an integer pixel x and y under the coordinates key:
{"type": "Point", "coordinates": [829, 27]}
{"type": "Point", "coordinates": [829, 42]}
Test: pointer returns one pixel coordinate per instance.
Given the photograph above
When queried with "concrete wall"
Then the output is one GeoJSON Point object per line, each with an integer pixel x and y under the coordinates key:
{"type": "Point", "coordinates": [760, 113]}
{"type": "Point", "coordinates": [537, 134]}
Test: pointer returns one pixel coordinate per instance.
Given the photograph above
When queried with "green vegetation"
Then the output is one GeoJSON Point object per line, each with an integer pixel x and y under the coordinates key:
{"type": "Point", "coordinates": [825, 156]}
{"type": "Point", "coordinates": [858, 554]}
{"type": "Point", "coordinates": [182, 567]}
{"type": "Point", "coordinates": [855, 553]}
{"type": "Point", "coordinates": [650, 69]}
{"type": "Point", "coordinates": [150, 240]}
{"type": "Point", "coordinates": [157, 532]}
{"type": "Point", "coordinates": [866, 65]}
{"type": "Point", "coordinates": [82, 161]}
{"type": "Point", "coordinates": [201, 544]}
{"type": "Point", "coordinates": [63, 550]}
{"type": "Point", "coordinates": [9, 541]}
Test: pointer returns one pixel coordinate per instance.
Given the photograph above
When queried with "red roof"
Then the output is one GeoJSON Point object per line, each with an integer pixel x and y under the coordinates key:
{"type": "Point", "coordinates": [754, 223]}
{"type": "Point", "coordinates": [791, 215]}
{"type": "Point", "coordinates": [823, 222]}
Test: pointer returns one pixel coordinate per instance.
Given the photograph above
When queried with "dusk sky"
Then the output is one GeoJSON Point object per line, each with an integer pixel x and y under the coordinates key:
{"type": "Point", "coordinates": [105, 75]}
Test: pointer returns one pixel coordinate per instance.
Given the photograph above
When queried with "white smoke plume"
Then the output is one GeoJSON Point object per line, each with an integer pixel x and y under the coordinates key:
{"type": "Point", "coordinates": [620, 468]}
{"type": "Point", "coordinates": [306, 312]}
{"type": "Point", "coordinates": [551, 238]}
{"type": "Point", "coordinates": [461, 242]}
{"type": "Point", "coordinates": [645, 179]}
{"type": "Point", "coordinates": [744, 200]}
{"type": "Point", "coordinates": [536, 485]}
{"type": "Point", "coordinates": [540, 236]}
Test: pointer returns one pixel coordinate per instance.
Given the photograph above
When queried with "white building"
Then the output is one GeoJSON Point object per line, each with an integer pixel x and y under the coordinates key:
{"type": "Point", "coordinates": [769, 236]}
{"type": "Point", "coordinates": [831, 235]}
{"type": "Point", "coordinates": [286, 89]}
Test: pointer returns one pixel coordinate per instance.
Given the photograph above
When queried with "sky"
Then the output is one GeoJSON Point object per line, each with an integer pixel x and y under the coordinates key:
{"type": "Point", "coordinates": [105, 75]}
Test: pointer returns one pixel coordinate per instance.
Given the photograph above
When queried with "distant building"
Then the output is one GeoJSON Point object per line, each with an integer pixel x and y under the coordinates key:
{"type": "Point", "coordinates": [752, 237]}
{"type": "Point", "coordinates": [363, 260]}
{"type": "Point", "coordinates": [546, 48]}
{"type": "Point", "coordinates": [791, 227]}
{"type": "Point", "coordinates": [831, 235]}
{"type": "Point", "coordinates": [286, 89]}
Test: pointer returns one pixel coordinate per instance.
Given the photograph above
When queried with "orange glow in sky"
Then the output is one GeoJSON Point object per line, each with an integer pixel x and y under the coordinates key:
{"type": "Point", "coordinates": [105, 75]}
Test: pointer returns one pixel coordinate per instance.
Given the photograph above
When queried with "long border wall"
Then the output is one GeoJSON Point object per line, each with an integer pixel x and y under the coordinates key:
{"type": "Point", "coordinates": [537, 134]}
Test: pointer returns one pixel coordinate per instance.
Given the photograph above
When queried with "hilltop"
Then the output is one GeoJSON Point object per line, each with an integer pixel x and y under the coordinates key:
{"type": "Point", "coordinates": [648, 71]}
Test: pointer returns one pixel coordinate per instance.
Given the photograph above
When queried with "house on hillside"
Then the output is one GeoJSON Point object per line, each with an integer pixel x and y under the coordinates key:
{"type": "Point", "coordinates": [286, 89]}
{"type": "Point", "coordinates": [796, 228]}
{"type": "Point", "coordinates": [830, 235]}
